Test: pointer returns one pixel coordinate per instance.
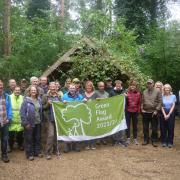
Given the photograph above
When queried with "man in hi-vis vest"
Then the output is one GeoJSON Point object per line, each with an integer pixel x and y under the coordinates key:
{"type": "Point", "coordinates": [15, 127]}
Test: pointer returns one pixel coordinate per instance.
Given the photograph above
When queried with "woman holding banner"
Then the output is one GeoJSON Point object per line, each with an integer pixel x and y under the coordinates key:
{"type": "Point", "coordinates": [133, 106]}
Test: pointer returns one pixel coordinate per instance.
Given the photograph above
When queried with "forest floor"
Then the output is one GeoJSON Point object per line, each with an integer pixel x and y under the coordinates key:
{"type": "Point", "coordinates": [106, 163]}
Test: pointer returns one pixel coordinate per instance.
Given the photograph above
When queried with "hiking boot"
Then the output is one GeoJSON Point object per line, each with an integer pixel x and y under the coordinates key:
{"type": "Point", "coordinates": [77, 148]}
{"type": "Point", "coordinates": [154, 144]}
{"type": "Point", "coordinates": [40, 155]}
{"type": "Point", "coordinates": [128, 141]}
{"type": "Point", "coordinates": [136, 142]}
{"type": "Point", "coordinates": [93, 147]}
{"type": "Point", "coordinates": [87, 147]}
{"type": "Point", "coordinates": [67, 148]}
{"type": "Point", "coordinates": [123, 144]}
{"type": "Point", "coordinates": [21, 148]}
{"type": "Point", "coordinates": [164, 145]}
{"type": "Point", "coordinates": [48, 156]}
{"type": "Point", "coordinates": [5, 159]}
{"type": "Point", "coordinates": [170, 145]}
{"type": "Point", "coordinates": [104, 142]}
{"type": "Point", "coordinates": [30, 158]}
{"type": "Point", "coordinates": [145, 143]}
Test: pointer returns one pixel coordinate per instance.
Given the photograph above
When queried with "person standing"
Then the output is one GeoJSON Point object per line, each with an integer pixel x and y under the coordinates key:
{"type": "Point", "coordinates": [35, 82]}
{"type": "Point", "coordinates": [89, 95]}
{"type": "Point", "coordinates": [15, 127]}
{"type": "Point", "coordinates": [109, 85]}
{"type": "Point", "coordinates": [159, 86]}
{"type": "Point", "coordinates": [168, 116]}
{"type": "Point", "coordinates": [150, 105]}
{"type": "Point", "coordinates": [24, 86]}
{"type": "Point", "coordinates": [72, 96]}
{"type": "Point", "coordinates": [12, 84]}
{"type": "Point", "coordinates": [31, 115]}
{"type": "Point", "coordinates": [101, 94]}
{"type": "Point", "coordinates": [5, 117]}
{"type": "Point", "coordinates": [66, 85]}
{"type": "Point", "coordinates": [77, 83]}
{"type": "Point", "coordinates": [58, 88]}
{"type": "Point", "coordinates": [44, 84]}
{"type": "Point", "coordinates": [133, 106]}
{"type": "Point", "coordinates": [51, 96]}
{"type": "Point", "coordinates": [119, 138]}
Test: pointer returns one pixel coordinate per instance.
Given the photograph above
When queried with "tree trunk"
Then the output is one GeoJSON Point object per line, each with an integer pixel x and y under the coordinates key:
{"type": "Point", "coordinates": [6, 27]}
{"type": "Point", "coordinates": [62, 14]}
{"type": "Point", "coordinates": [99, 4]}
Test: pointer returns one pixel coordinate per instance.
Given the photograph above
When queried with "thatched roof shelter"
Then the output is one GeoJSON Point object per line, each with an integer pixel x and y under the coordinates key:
{"type": "Point", "coordinates": [126, 69]}
{"type": "Point", "coordinates": [64, 63]}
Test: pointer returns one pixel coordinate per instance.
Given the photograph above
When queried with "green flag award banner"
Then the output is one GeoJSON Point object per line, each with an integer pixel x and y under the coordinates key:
{"type": "Point", "coordinates": [80, 121]}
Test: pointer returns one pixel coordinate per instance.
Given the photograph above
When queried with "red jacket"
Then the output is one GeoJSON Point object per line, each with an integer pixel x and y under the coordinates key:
{"type": "Point", "coordinates": [133, 101]}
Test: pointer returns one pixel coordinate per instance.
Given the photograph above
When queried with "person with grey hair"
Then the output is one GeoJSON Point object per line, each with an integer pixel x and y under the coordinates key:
{"type": "Point", "coordinates": [35, 82]}
{"type": "Point", "coordinates": [47, 99]}
{"type": "Point", "coordinates": [101, 94]}
{"type": "Point", "coordinates": [150, 105]}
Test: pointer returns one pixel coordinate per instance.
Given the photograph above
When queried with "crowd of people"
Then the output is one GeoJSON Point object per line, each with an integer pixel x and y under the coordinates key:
{"type": "Point", "coordinates": [27, 120]}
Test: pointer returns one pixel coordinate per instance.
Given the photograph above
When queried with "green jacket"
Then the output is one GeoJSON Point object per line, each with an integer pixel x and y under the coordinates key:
{"type": "Point", "coordinates": [16, 102]}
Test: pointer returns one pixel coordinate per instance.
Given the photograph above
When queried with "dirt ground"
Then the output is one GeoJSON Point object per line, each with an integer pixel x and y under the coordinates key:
{"type": "Point", "coordinates": [107, 162]}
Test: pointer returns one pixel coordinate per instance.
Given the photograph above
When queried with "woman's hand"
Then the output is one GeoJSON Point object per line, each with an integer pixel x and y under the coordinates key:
{"type": "Point", "coordinates": [28, 126]}
{"type": "Point", "coordinates": [167, 116]}
{"type": "Point", "coordinates": [50, 102]}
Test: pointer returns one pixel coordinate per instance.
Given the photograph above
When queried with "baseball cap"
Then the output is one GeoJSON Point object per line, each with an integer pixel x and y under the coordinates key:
{"type": "Point", "coordinates": [150, 81]}
{"type": "Point", "coordinates": [76, 80]}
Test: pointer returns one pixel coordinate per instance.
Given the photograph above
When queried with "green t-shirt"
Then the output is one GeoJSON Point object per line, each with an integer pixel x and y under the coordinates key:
{"type": "Point", "coordinates": [37, 110]}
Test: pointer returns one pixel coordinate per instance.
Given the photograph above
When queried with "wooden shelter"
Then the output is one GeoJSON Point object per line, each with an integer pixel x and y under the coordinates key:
{"type": "Point", "coordinates": [64, 63]}
{"type": "Point", "coordinates": [126, 69]}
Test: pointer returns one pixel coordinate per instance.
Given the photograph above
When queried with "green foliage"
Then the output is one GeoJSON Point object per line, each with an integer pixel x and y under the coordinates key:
{"type": "Point", "coordinates": [38, 8]}
{"type": "Point", "coordinates": [103, 63]}
{"type": "Point", "coordinates": [162, 55]}
{"type": "Point", "coordinates": [141, 15]}
{"type": "Point", "coordinates": [35, 45]}
{"type": "Point", "coordinates": [95, 24]}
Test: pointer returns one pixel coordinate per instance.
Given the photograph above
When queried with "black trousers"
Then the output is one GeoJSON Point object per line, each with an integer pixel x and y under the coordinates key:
{"type": "Point", "coordinates": [4, 139]}
{"type": "Point", "coordinates": [147, 119]}
{"type": "Point", "coordinates": [32, 138]}
{"type": "Point", "coordinates": [167, 129]}
{"type": "Point", "coordinates": [16, 135]}
{"type": "Point", "coordinates": [131, 116]}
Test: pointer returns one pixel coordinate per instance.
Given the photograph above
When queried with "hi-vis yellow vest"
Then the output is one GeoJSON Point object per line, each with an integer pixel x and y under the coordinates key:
{"type": "Point", "coordinates": [16, 102]}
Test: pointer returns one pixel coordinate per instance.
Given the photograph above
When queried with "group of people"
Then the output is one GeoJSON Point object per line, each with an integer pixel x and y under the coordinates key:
{"type": "Point", "coordinates": [27, 120]}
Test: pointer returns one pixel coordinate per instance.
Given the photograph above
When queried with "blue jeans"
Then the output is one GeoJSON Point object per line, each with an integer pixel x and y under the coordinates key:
{"type": "Point", "coordinates": [32, 138]}
{"type": "Point", "coordinates": [4, 139]}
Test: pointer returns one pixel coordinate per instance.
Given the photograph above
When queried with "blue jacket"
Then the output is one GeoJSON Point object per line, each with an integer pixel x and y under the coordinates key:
{"type": "Point", "coordinates": [27, 112]}
{"type": "Point", "coordinates": [8, 106]}
{"type": "Point", "coordinates": [67, 97]}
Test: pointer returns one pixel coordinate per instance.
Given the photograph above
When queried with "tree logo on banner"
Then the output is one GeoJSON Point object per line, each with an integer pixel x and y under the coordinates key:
{"type": "Point", "coordinates": [78, 116]}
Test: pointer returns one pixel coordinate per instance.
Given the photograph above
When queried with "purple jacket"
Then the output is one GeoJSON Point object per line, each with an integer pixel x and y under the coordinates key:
{"type": "Point", "coordinates": [28, 112]}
